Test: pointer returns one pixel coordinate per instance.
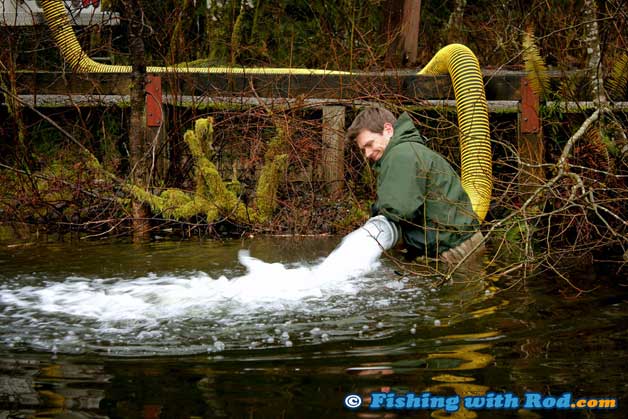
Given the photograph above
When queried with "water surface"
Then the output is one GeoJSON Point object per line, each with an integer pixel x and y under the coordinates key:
{"type": "Point", "coordinates": [182, 330]}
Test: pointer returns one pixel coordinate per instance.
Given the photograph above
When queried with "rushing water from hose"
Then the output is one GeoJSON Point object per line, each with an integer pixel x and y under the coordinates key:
{"type": "Point", "coordinates": [271, 304]}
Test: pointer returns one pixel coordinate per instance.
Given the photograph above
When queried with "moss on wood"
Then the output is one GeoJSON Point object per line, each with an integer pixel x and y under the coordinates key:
{"type": "Point", "coordinates": [214, 198]}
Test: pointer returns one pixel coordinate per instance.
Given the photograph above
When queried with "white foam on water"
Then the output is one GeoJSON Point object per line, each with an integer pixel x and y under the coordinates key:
{"type": "Point", "coordinates": [270, 287]}
{"type": "Point", "coordinates": [344, 296]}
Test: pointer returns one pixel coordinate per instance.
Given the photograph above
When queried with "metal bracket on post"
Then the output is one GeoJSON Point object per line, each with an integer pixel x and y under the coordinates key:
{"type": "Point", "coordinates": [530, 140]}
{"type": "Point", "coordinates": [154, 101]}
{"type": "Point", "coordinates": [155, 124]}
{"type": "Point", "coordinates": [530, 121]}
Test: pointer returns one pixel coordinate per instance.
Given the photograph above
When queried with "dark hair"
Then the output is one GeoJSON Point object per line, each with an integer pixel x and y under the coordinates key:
{"type": "Point", "coordinates": [372, 119]}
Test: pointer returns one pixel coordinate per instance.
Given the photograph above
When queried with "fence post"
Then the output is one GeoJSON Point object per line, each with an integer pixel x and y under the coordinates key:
{"type": "Point", "coordinates": [155, 126]}
{"type": "Point", "coordinates": [530, 140]}
{"type": "Point", "coordinates": [333, 147]}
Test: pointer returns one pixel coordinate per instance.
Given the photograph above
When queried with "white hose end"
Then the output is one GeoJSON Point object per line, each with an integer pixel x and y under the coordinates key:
{"type": "Point", "coordinates": [384, 231]}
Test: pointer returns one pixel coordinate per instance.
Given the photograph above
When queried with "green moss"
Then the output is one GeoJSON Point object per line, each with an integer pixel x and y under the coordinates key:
{"type": "Point", "coordinates": [155, 202]}
{"type": "Point", "coordinates": [49, 188]}
{"type": "Point", "coordinates": [193, 144]}
{"type": "Point", "coordinates": [204, 130]}
{"type": "Point", "coordinates": [175, 197]}
{"type": "Point", "coordinates": [277, 144]}
{"type": "Point", "coordinates": [201, 62]}
{"type": "Point", "coordinates": [200, 141]}
{"type": "Point", "coordinates": [267, 185]}
{"type": "Point", "coordinates": [6, 233]}
{"type": "Point", "coordinates": [212, 196]}
{"type": "Point", "coordinates": [234, 186]}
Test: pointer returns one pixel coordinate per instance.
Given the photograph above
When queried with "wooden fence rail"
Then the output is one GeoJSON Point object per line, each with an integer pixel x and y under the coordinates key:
{"type": "Point", "coordinates": [506, 92]}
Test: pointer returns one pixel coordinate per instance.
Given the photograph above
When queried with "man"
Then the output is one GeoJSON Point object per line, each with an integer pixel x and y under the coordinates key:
{"type": "Point", "coordinates": [416, 187]}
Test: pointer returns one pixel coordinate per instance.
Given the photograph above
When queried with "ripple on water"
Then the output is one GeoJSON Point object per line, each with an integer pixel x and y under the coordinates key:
{"type": "Point", "coordinates": [271, 305]}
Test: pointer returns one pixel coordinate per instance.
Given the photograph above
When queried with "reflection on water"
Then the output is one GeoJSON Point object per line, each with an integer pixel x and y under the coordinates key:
{"type": "Point", "coordinates": [52, 388]}
{"type": "Point", "coordinates": [375, 332]}
{"type": "Point", "coordinates": [453, 355]}
{"type": "Point", "coordinates": [464, 357]}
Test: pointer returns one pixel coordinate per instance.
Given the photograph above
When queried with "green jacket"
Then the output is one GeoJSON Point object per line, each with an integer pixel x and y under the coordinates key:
{"type": "Point", "coordinates": [418, 189]}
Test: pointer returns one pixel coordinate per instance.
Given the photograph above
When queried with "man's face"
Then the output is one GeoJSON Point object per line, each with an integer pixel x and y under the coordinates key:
{"type": "Point", "coordinates": [374, 144]}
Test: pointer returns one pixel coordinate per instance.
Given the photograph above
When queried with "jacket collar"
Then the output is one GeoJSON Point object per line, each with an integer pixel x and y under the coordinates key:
{"type": "Point", "coordinates": [404, 131]}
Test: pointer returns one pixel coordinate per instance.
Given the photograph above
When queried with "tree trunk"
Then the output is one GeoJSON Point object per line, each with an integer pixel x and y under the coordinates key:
{"type": "Point", "coordinates": [453, 30]}
{"type": "Point", "coordinates": [137, 125]}
{"type": "Point", "coordinates": [14, 107]}
{"type": "Point", "coordinates": [594, 52]}
{"type": "Point", "coordinates": [402, 30]}
{"type": "Point", "coordinates": [410, 23]}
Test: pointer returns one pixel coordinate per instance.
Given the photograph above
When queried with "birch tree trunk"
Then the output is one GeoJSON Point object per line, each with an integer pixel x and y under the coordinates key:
{"type": "Point", "coordinates": [594, 52]}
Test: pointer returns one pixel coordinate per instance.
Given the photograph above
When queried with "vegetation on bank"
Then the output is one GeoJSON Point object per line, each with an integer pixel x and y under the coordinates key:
{"type": "Point", "coordinates": [212, 197]}
{"type": "Point", "coordinates": [234, 170]}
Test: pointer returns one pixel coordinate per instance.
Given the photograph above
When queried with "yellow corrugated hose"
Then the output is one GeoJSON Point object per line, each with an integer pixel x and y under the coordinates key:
{"type": "Point", "coordinates": [72, 52]}
{"type": "Point", "coordinates": [475, 142]}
